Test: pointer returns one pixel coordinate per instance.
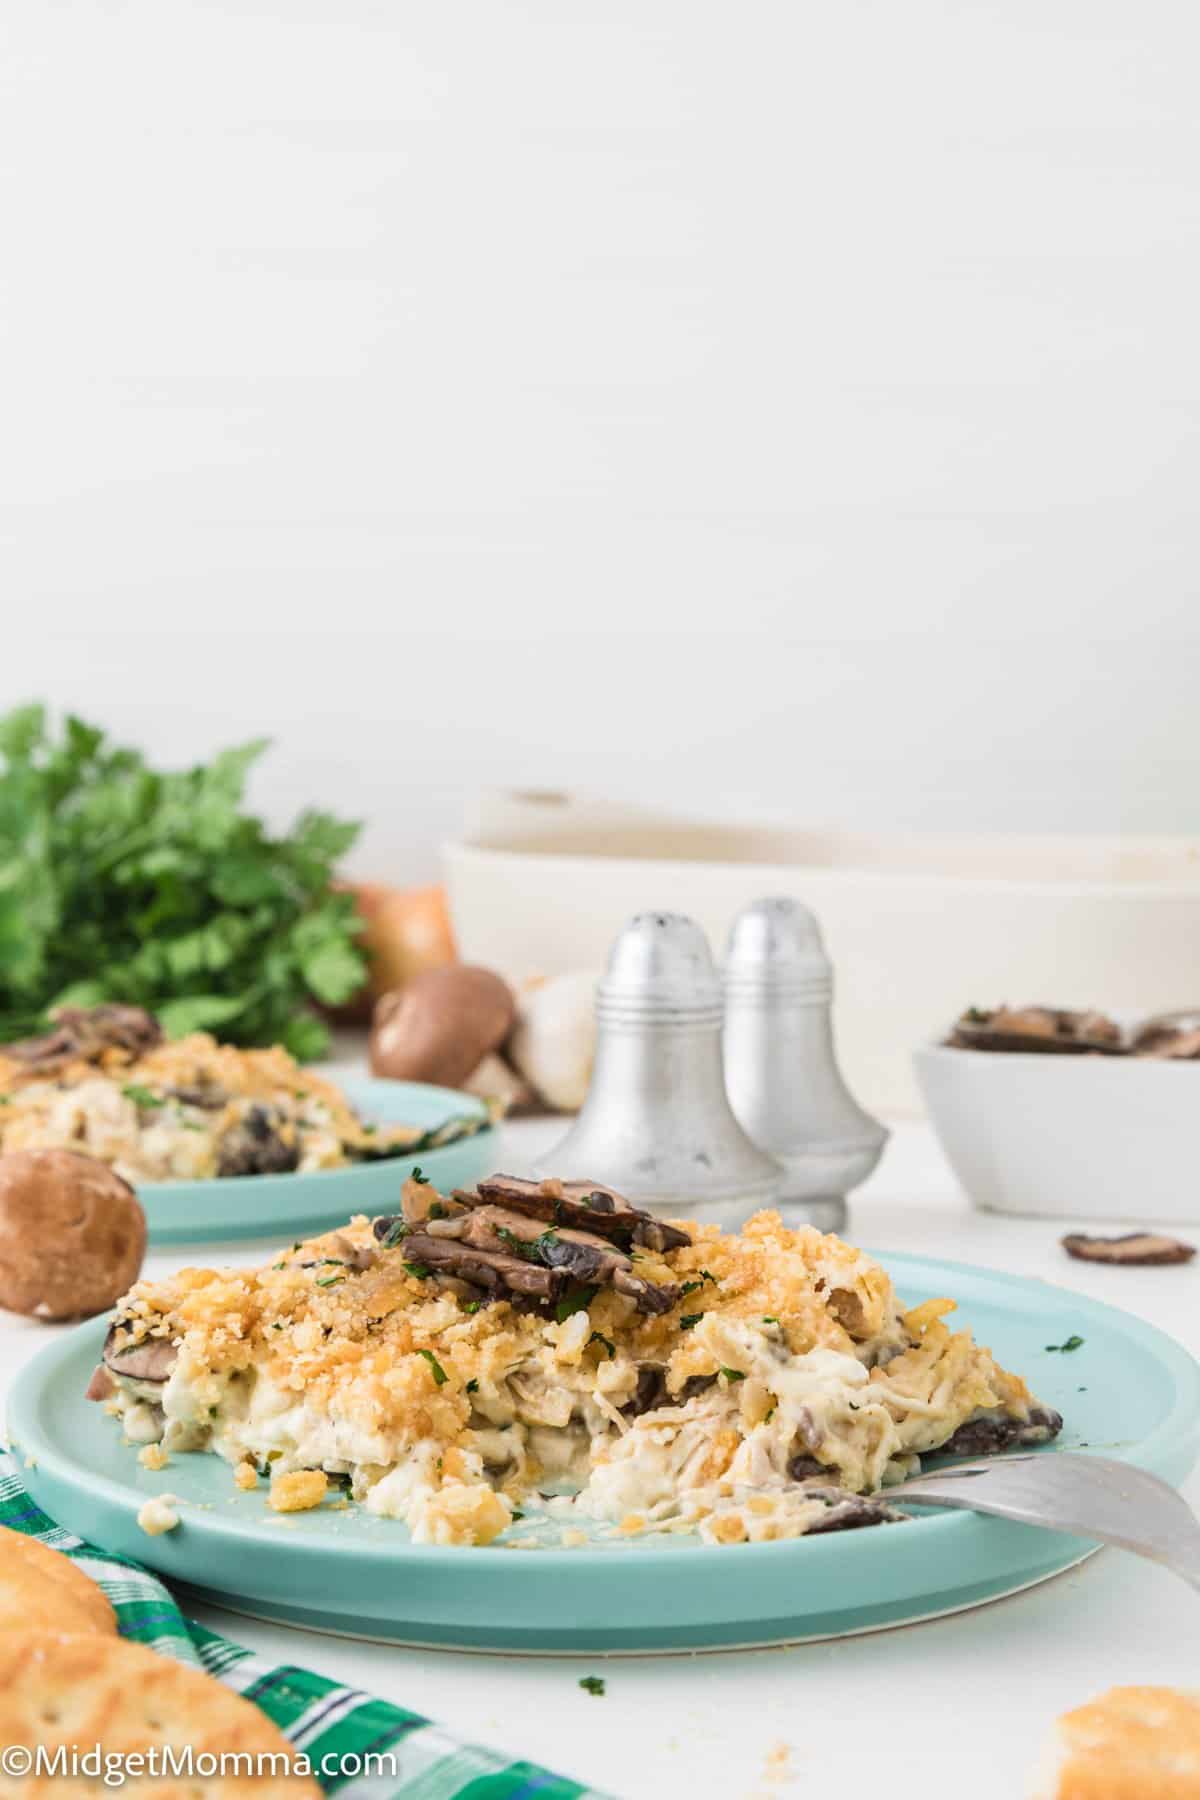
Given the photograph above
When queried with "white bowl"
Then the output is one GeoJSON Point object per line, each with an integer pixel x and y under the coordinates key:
{"type": "Point", "coordinates": [1095, 1137]}
{"type": "Point", "coordinates": [918, 927]}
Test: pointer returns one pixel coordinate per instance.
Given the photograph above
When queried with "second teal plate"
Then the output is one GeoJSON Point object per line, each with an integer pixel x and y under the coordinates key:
{"type": "Point", "coordinates": [282, 1206]}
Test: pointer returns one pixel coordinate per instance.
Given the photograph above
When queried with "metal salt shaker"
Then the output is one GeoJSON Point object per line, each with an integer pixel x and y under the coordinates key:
{"type": "Point", "coordinates": [781, 1070]}
{"type": "Point", "coordinates": [656, 1123]}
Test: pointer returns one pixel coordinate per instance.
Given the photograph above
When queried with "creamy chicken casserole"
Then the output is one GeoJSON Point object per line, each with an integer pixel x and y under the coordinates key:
{"type": "Point", "coordinates": [545, 1348]}
{"type": "Point", "coordinates": [105, 1083]}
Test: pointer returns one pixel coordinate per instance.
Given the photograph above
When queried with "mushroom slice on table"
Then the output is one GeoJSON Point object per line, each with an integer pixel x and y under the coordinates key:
{"type": "Point", "coordinates": [1138, 1248]}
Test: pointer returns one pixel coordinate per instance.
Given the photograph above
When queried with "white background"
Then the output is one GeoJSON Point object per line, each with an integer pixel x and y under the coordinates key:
{"type": "Point", "coordinates": [782, 407]}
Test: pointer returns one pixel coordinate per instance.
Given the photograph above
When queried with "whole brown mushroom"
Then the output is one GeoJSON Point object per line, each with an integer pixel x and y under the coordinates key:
{"type": "Point", "coordinates": [440, 1025]}
{"type": "Point", "coordinates": [72, 1235]}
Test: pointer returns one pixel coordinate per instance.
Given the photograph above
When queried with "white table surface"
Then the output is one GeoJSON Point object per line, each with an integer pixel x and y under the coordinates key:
{"type": "Point", "coordinates": [922, 1708]}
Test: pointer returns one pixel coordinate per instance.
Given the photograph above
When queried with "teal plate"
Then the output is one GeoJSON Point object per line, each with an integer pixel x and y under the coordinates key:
{"type": "Point", "coordinates": [1129, 1391]}
{"type": "Point", "coordinates": [280, 1206]}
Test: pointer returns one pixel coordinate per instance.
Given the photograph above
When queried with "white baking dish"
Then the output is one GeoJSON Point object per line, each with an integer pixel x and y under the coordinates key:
{"type": "Point", "coordinates": [918, 927]}
{"type": "Point", "coordinates": [1096, 1137]}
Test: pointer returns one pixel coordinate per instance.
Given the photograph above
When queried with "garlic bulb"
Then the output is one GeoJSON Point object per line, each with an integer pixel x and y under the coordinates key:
{"type": "Point", "coordinates": [554, 1040]}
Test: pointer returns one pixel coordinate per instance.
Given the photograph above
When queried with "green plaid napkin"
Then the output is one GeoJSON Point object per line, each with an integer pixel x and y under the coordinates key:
{"type": "Point", "coordinates": [318, 1716]}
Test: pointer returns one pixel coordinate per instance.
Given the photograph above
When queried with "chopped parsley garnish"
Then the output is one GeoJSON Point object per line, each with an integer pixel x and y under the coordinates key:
{"type": "Point", "coordinates": [516, 1516]}
{"type": "Point", "coordinates": [592, 1684]}
{"type": "Point", "coordinates": [419, 1271]}
{"type": "Point", "coordinates": [528, 1251]}
{"type": "Point", "coordinates": [733, 1374]}
{"type": "Point", "coordinates": [439, 1374]}
{"type": "Point", "coordinates": [141, 1096]}
{"type": "Point", "coordinates": [1072, 1343]}
{"type": "Point", "coordinates": [339, 1260]}
{"type": "Point", "coordinates": [279, 1265]}
{"type": "Point", "coordinates": [688, 1320]}
{"type": "Point", "coordinates": [576, 1299]}
{"type": "Point", "coordinates": [277, 1325]}
{"type": "Point", "coordinates": [598, 1337]}
{"type": "Point", "coordinates": [471, 1306]}
{"type": "Point", "coordinates": [396, 1231]}
{"type": "Point", "coordinates": [421, 1180]}
{"type": "Point", "coordinates": [330, 1280]}
{"type": "Point", "coordinates": [689, 1287]}
{"type": "Point", "coordinates": [472, 1386]}
{"type": "Point", "coordinates": [770, 1319]}
{"type": "Point", "coordinates": [436, 1210]}
{"type": "Point", "coordinates": [769, 1416]}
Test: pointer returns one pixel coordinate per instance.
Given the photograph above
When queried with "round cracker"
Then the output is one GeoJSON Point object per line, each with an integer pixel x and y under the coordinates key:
{"type": "Point", "coordinates": [43, 1590]}
{"type": "Point", "coordinates": [91, 1690]}
{"type": "Point", "coordinates": [1129, 1744]}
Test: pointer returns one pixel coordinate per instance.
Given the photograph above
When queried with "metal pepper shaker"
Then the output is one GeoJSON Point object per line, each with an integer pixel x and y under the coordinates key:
{"type": "Point", "coordinates": [781, 1071]}
{"type": "Point", "coordinates": [656, 1123]}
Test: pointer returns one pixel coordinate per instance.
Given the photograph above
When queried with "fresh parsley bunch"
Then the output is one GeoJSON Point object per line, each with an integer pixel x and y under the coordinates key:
{"type": "Point", "coordinates": [120, 882]}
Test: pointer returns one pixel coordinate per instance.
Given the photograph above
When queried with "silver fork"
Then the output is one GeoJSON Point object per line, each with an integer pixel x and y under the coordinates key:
{"type": "Point", "coordinates": [1088, 1496]}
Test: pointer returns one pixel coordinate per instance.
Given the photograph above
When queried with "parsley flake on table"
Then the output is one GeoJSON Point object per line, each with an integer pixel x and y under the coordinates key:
{"type": "Point", "coordinates": [592, 1684]}
{"type": "Point", "coordinates": [1071, 1343]}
